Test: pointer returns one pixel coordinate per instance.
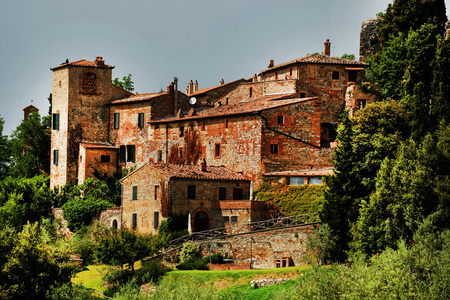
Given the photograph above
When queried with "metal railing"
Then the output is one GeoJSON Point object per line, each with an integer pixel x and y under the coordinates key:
{"type": "Point", "coordinates": [271, 224]}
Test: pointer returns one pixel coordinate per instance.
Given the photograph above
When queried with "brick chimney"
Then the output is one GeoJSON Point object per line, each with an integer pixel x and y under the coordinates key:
{"type": "Point", "coordinates": [327, 48]}
{"type": "Point", "coordinates": [203, 165]}
{"type": "Point", "coordinates": [195, 86]}
{"type": "Point", "coordinates": [271, 64]}
{"type": "Point", "coordinates": [99, 61]}
{"type": "Point", "coordinates": [190, 88]}
{"type": "Point", "coordinates": [222, 82]}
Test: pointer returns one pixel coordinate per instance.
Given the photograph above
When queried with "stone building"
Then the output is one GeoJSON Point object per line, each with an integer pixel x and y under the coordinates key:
{"type": "Point", "coordinates": [282, 119]}
{"type": "Point", "coordinates": [214, 197]}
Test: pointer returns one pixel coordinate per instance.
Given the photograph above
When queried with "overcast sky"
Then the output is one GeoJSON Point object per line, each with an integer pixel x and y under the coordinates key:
{"type": "Point", "coordinates": [156, 40]}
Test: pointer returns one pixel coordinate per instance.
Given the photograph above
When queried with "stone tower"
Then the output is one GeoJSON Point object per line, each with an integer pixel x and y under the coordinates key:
{"type": "Point", "coordinates": [80, 90]}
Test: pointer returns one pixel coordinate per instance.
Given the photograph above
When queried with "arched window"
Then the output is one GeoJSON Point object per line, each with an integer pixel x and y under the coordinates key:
{"type": "Point", "coordinates": [88, 82]}
{"type": "Point", "coordinates": [114, 224]}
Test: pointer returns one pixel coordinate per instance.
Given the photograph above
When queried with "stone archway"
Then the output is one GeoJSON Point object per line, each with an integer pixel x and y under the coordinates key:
{"type": "Point", "coordinates": [201, 221]}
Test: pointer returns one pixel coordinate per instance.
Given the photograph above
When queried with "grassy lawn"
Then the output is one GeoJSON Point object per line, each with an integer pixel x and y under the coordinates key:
{"type": "Point", "coordinates": [236, 281]}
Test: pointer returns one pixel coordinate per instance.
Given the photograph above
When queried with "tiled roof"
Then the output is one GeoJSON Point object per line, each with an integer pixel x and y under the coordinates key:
{"type": "Point", "coordinates": [83, 63]}
{"type": "Point", "coordinates": [260, 104]}
{"type": "Point", "coordinates": [317, 58]}
{"type": "Point", "coordinates": [93, 145]}
{"type": "Point", "coordinates": [139, 97]}
{"type": "Point", "coordinates": [308, 172]}
{"type": "Point", "coordinates": [194, 172]}
{"type": "Point", "coordinates": [215, 87]}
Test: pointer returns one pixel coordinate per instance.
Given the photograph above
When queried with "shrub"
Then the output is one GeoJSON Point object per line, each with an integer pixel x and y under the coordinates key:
{"type": "Point", "coordinates": [191, 251]}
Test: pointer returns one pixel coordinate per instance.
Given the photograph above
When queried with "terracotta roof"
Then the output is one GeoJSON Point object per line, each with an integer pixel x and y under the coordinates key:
{"type": "Point", "coordinates": [194, 172]}
{"type": "Point", "coordinates": [215, 87]}
{"type": "Point", "coordinates": [84, 63]}
{"type": "Point", "coordinates": [259, 104]}
{"type": "Point", "coordinates": [317, 58]}
{"type": "Point", "coordinates": [138, 97]}
{"type": "Point", "coordinates": [93, 145]}
{"type": "Point", "coordinates": [308, 172]}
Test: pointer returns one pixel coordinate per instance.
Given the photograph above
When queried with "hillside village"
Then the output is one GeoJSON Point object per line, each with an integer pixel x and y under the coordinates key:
{"type": "Point", "coordinates": [206, 148]}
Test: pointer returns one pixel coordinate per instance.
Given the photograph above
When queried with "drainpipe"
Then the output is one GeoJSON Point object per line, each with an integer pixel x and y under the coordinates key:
{"type": "Point", "coordinates": [282, 133]}
{"type": "Point", "coordinates": [121, 204]}
{"type": "Point", "coordinates": [251, 190]}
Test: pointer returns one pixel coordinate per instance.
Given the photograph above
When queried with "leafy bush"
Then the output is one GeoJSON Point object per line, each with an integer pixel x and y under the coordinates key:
{"type": "Point", "coordinates": [79, 211]}
{"type": "Point", "coordinates": [71, 292]}
{"type": "Point", "coordinates": [190, 251]}
{"type": "Point", "coordinates": [201, 264]}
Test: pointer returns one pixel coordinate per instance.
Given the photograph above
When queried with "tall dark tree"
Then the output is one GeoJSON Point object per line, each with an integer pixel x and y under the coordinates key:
{"type": "Point", "coordinates": [440, 100]}
{"type": "Point", "coordinates": [405, 15]}
{"type": "Point", "coordinates": [5, 152]}
{"type": "Point", "coordinates": [31, 147]}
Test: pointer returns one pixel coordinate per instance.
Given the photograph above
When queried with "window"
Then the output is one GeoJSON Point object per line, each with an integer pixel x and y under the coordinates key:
{"type": "Point", "coordinates": [273, 148]}
{"type": "Point", "coordinates": [297, 180]}
{"type": "Point", "coordinates": [141, 120]}
{"type": "Point", "coordinates": [105, 158]}
{"type": "Point", "coordinates": [280, 120]}
{"type": "Point", "coordinates": [238, 194]}
{"type": "Point", "coordinates": [203, 126]}
{"type": "Point", "coordinates": [276, 75]}
{"type": "Point", "coordinates": [335, 75]}
{"type": "Point", "coordinates": [134, 221]}
{"type": "Point", "coordinates": [88, 83]}
{"type": "Point", "coordinates": [217, 150]}
{"type": "Point", "coordinates": [226, 219]}
{"type": "Point", "coordinates": [191, 189]}
{"type": "Point", "coordinates": [302, 95]}
{"type": "Point", "coordinates": [234, 219]}
{"type": "Point", "coordinates": [159, 155]}
{"type": "Point", "coordinates": [156, 192]}
{"type": "Point", "coordinates": [122, 154]}
{"type": "Point", "coordinates": [250, 92]}
{"type": "Point", "coordinates": [222, 193]}
{"type": "Point", "coordinates": [226, 123]}
{"type": "Point", "coordinates": [131, 149]}
{"type": "Point", "coordinates": [135, 195]}
{"type": "Point", "coordinates": [290, 72]}
{"type": "Point", "coordinates": [155, 219]}
{"type": "Point", "coordinates": [181, 131]}
{"type": "Point", "coordinates": [116, 120]}
{"type": "Point", "coordinates": [315, 180]}
{"type": "Point", "coordinates": [352, 76]}
{"type": "Point", "coordinates": [55, 157]}
{"type": "Point", "coordinates": [181, 153]}
{"type": "Point", "coordinates": [56, 121]}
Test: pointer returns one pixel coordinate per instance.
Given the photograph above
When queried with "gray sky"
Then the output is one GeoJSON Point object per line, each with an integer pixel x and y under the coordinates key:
{"type": "Point", "coordinates": [155, 40]}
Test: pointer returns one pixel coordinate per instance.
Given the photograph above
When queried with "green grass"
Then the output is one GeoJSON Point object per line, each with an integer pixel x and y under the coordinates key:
{"type": "Point", "coordinates": [235, 282]}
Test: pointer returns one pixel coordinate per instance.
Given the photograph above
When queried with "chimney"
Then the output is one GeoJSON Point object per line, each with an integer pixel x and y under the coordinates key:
{"type": "Point", "coordinates": [222, 82]}
{"type": "Point", "coordinates": [271, 64]}
{"type": "Point", "coordinates": [99, 61]}
{"type": "Point", "coordinates": [190, 88]}
{"type": "Point", "coordinates": [327, 48]}
{"type": "Point", "coordinates": [175, 95]}
{"type": "Point", "coordinates": [203, 165]}
{"type": "Point", "coordinates": [195, 86]}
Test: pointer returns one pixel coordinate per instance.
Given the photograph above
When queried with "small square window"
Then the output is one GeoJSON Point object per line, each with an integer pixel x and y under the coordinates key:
{"type": "Point", "coordinates": [226, 219]}
{"type": "Point", "coordinates": [238, 194]}
{"type": "Point", "coordinates": [273, 148]}
{"type": "Point", "coordinates": [105, 158]}
{"type": "Point", "coordinates": [141, 120]}
{"type": "Point", "coordinates": [217, 150]}
{"type": "Point", "coordinates": [191, 192]}
{"type": "Point", "coordinates": [335, 75]}
{"type": "Point", "coordinates": [302, 95]}
{"type": "Point", "coordinates": [280, 120]}
{"type": "Point", "coordinates": [181, 131]}
{"type": "Point", "coordinates": [222, 193]}
{"type": "Point", "coordinates": [234, 219]}
{"type": "Point", "coordinates": [159, 155]}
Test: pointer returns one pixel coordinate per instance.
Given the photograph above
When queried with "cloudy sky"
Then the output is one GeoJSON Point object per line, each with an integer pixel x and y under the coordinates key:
{"type": "Point", "coordinates": [155, 40]}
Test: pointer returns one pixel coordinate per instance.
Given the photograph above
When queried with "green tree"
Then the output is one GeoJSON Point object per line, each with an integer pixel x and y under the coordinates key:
{"type": "Point", "coordinates": [30, 147]}
{"type": "Point", "coordinates": [440, 100]}
{"type": "Point", "coordinates": [124, 246]}
{"type": "Point", "coordinates": [33, 267]}
{"type": "Point", "coordinates": [348, 56]}
{"type": "Point", "coordinates": [403, 15]}
{"type": "Point", "coordinates": [24, 199]}
{"type": "Point", "coordinates": [126, 83]}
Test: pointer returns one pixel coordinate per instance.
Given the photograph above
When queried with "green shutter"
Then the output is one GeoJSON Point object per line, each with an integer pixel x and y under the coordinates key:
{"type": "Point", "coordinates": [141, 120]}
{"type": "Point", "coordinates": [135, 192]}
{"type": "Point", "coordinates": [56, 121]}
{"type": "Point", "coordinates": [55, 157]}
{"type": "Point", "coordinates": [116, 120]}
{"type": "Point", "coordinates": [132, 152]}
{"type": "Point", "coordinates": [122, 154]}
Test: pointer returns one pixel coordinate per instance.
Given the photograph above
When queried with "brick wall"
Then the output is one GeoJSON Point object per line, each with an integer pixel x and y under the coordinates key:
{"type": "Point", "coordinates": [265, 248]}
